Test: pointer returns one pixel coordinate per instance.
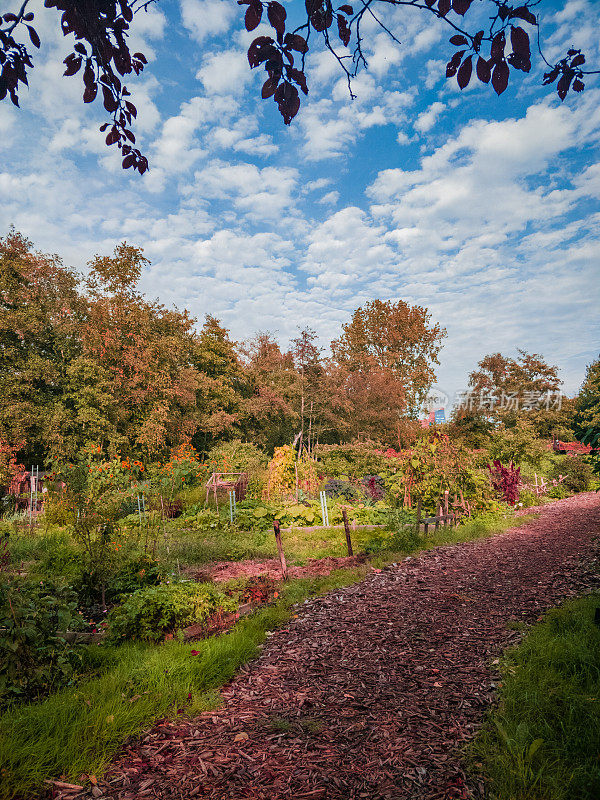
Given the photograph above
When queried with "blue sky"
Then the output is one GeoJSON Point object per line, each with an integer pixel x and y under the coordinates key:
{"type": "Point", "coordinates": [483, 209]}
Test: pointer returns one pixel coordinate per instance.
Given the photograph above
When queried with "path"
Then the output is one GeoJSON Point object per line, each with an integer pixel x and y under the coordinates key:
{"type": "Point", "coordinates": [370, 691]}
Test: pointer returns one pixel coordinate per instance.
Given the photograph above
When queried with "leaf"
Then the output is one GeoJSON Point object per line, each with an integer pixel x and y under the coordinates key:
{"type": "Point", "coordinates": [128, 161]}
{"type": "Point", "coordinates": [523, 13]}
{"type": "Point", "coordinates": [347, 10]}
{"type": "Point", "coordinates": [500, 77]}
{"type": "Point", "coordinates": [498, 45]}
{"type": "Point", "coordinates": [461, 6]}
{"type": "Point", "coordinates": [459, 39]}
{"type": "Point", "coordinates": [520, 42]}
{"type": "Point", "coordinates": [277, 16]}
{"type": "Point", "coordinates": [484, 73]}
{"type": "Point", "coordinates": [90, 93]}
{"type": "Point", "coordinates": [562, 87]}
{"type": "Point", "coordinates": [578, 85]}
{"type": "Point", "coordinates": [578, 60]}
{"type": "Point", "coordinates": [534, 747]}
{"type": "Point", "coordinates": [453, 64]}
{"type": "Point", "coordinates": [464, 73]}
{"type": "Point", "coordinates": [241, 737]}
{"type": "Point", "coordinates": [110, 104]}
{"type": "Point", "coordinates": [320, 13]}
{"type": "Point", "coordinates": [296, 42]}
{"type": "Point", "coordinates": [268, 88]}
{"type": "Point", "coordinates": [299, 77]}
{"type": "Point", "coordinates": [260, 50]}
{"type": "Point", "coordinates": [253, 16]}
{"type": "Point", "coordinates": [73, 65]}
{"type": "Point", "coordinates": [35, 39]}
{"type": "Point", "coordinates": [343, 30]}
{"type": "Point", "coordinates": [444, 7]}
{"type": "Point", "coordinates": [288, 100]}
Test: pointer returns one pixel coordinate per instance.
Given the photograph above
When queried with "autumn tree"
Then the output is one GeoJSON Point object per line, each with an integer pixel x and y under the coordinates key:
{"type": "Point", "coordinates": [271, 412]}
{"type": "Point", "coordinates": [146, 350]}
{"type": "Point", "coordinates": [492, 40]}
{"type": "Point", "coordinates": [222, 385]}
{"type": "Point", "coordinates": [505, 389]}
{"type": "Point", "coordinates": [41, 311]}
{"type": "Point", "coordinates": [392, 345]}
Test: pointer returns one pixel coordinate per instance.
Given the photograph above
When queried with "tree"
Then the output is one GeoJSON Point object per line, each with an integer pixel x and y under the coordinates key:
{"type": "Point", "coordinates": [40, 312]}
{"type": "Point", "coordinates": [587, 415]}
{"type": "Point", "coordinates": [496, 41]}
{"type": "Point", "coordinates": [506, 389]}
{"type": "Point", "coordinates": [391, 347]}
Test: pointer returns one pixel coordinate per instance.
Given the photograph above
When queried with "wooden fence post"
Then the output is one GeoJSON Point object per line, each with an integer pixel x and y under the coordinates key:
{"type": "Point", "coordinates": [446, 521]}
{"type": "Point", "coordinates": [347, 529]}
{"type": "Point", "coordinates": [419, 515]}
{"type": "Point", "coordinates": [277, 529]}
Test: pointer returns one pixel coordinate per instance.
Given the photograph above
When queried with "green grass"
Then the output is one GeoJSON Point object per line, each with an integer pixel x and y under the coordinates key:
{"type": "Point", "coordinates": [543, 740]}
{"type": "Point", "coordinates": [80, 729]}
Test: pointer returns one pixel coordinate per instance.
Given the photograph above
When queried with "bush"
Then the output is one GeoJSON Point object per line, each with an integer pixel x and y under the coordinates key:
{"type": "Point", "coordinates": [154, 611]}
{"type": "Point", "coordinates": [577, 471]}
{"type": "Point", "coordinates": [339, 489]}
{"type": "Point", "coordinates": [34, 659]}
{"type": "Point", "coordinates": [374, 486]}
{"type": "Point", "coordinates": [506, 481]}
{"type": "Point", "coordinates": [132, 575]}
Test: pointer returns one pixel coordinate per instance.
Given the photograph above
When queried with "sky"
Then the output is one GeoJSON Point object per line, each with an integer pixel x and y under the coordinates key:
{"type": "Point", "coordinates": [483, 209]}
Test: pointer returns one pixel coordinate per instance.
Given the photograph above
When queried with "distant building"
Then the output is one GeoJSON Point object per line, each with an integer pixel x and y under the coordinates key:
{"type": "Point", "coordinates": [437, 417]}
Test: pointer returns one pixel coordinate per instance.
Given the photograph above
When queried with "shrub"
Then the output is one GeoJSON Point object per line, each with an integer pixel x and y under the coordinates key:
{"type": "Point", "coordinates": [506, 481]}
{"type": "Point", "coordinates": [518, 444]}
{"type": "Point", "coordinates": [577, 471]}
{"type": "Point", "coordinates": [154, 611]}
{"type": "Point", "coordinates": [132, 575]}
{"type": "Point", "coordinates": [374, 485]}
{"type": "Point", "coordinates": [337, 489]}
{"type": "Point", "coordinates": [350, 460]}
{"type": "Point", "coordinates": [34, 659]}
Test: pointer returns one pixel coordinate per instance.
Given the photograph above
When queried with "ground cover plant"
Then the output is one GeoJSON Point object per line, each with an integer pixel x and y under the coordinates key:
{"type": "Point", "coordinates": [542, 739]}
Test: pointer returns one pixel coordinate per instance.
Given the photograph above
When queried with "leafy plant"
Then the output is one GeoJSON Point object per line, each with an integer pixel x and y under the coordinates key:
{"type": "Point", "coordinates": [577, 473]}
{"type": "Point", "coordinates": [506, 481]}
{"type": "Point", "coordinates": [34, 658]}
{"type": "Point", "coordinates": [154, 611]}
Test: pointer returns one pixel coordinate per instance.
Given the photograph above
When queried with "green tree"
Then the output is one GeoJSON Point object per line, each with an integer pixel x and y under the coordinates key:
{"type": "Point", "coordinates": [587, 415]}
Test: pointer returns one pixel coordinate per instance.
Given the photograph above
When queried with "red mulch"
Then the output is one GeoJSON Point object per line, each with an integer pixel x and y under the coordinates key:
{"type": "Point", "coordinates": [380, 682]}
{"type": "Point", "coordinates": [228, 570]}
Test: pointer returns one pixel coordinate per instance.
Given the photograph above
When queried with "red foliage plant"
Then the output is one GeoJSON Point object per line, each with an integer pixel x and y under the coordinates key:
{"type": "Point", "coordinates": [506, 481]}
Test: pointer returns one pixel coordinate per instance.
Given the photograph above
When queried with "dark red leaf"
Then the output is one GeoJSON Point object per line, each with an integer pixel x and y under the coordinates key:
{"type": "Point", "coordinates": [269, 86]}
{"type": "Point", "coordinates": [500, 77]}
{"type": "Point", "coordinates": [288, 100]}
{"type": "Point", "coordinates": [550, 77]}
{"type": "Point", "coordinates": [295, 42]}
{"type": "Point", "coordinates": [578, 60]}
{"type": "Point", "coordinates": [299, 77]}
{"type": "Point", "coordinates": [35, 39]}
{"type": "Point", "coordinates": [260, 50]}
{"type": "Point", "coordinates": [73, 65]}
{"type": "Point", "coordinates": [461, 6]}
{"type": "Point", "coordinates": [458, 39]}
{"type": "Point", "coordinates": [343, 30]}
{"type": "Point", "coordinates": [444, 7]}
{"type": "Point", "coordinates": [140, 57]}
{"type": "Point", "coordinates": [498, 45]}
{"type": "Point", "coordinates": [578, 85]}
{"type": "Point", "coordinates": [453, 64]}
{"type": "Point", "coordinates": [110, 104]}
{"type": "Point", "coordinates": [464, 73]}
{"type": "Point", "coordinates": [277, 16]}
{"type": "Point", "coordinates": [90, 93]}
{"type": "Point", "coordinates": [562, 87]}
{"type": "Point", "coordinates": [89, 76]}
{"type": "Point", "coordinates": [484, 73]}
{"type": "Point", "coordinates": [128, 161]}
{"type": "Point", "coordinates": [520, 42]}
{"type": "Point", "coordinates": [523, 13]}
{"type": "Point", "coordinates": [320, 13]}
{"type": "Point", "coordinates": [347, 10]}
{"type": "Point", "coordinates": [253, 16]}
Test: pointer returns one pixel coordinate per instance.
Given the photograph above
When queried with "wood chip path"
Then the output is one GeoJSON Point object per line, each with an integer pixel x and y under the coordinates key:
{"type": "Point", "coordinates": [371, 690]}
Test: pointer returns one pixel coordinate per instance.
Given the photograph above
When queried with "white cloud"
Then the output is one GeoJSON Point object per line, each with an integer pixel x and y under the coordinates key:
{"type": "Point", "coordinates": [206, 18]}
{"type": "Point", "coordinates": [225, 73]}
{"type": "Point", "coordinates": [428, 118]}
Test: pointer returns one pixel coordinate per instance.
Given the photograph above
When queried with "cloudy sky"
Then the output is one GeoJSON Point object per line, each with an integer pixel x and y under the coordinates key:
{"type": "Point", "coordinates": [483, 209]}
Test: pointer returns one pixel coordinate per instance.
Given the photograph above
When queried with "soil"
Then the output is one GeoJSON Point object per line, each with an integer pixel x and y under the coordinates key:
{"type": "Point", "coordinates": [372, 690]}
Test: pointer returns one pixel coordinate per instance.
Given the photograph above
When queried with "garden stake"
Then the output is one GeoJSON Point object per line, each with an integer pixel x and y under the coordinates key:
{"type": "Point", "coordinates": [347, 529]}
{"type": "Point", "coordinates": [446, 520]}
{"type": "Point", "coordinates": [277, 529]}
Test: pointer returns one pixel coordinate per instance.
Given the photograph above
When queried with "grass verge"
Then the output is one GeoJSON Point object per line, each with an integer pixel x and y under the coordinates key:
{"type": "Point", "coordinates": [542, 742]}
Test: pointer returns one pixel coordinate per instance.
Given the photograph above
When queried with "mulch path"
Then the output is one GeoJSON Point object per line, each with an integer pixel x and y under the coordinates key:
{"type": "Point", "coordinates": [372, 689]}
